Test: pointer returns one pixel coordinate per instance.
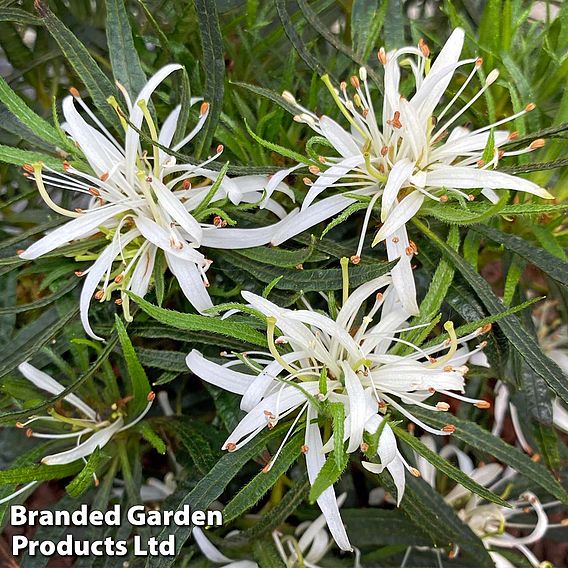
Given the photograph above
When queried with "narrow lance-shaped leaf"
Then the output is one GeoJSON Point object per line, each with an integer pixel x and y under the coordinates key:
{"type": "Point", "coordinates": [520, 340]}
{"type": "Point", "coordinates": [138, 379]}
{"type": "Point", "coordinates": [124, 59]}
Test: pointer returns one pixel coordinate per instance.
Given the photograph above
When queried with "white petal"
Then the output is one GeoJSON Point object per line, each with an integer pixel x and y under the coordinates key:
{"type": "Point", "coordinates": [208, 549]}
{"type": "Point", "coordinates": [484, 475]}
{"type": "Point", "coordinates": [218, 375]}
{"type": "Point", "coordinates": [357, 407]}
{"type": "Point", "coordinates": [316, 213]}
{"type": "Point", "coordinates": [341, 140]}
{"type": "Point", "coordinates": [398, 473]}
{"type": "Point", "coordinates": [330, 176]}
{"type": "Point", "coordinates": [399, 215]}
{"type": "Point", "coordinates": [326, 501]}
{"type": "Point", "coordinates": [137, 116]}
{"type": "Point", "coordinates": [387, 449]}
{"type": "Point", "coordinates": [97, 440]}
{"type": "Point", "coordinates": [45, 382]}
{"type": "Point", "coordinates": [398, 176]}
{"type": "Point", "coordinates": [275, 181]}
{"type": "Point", "coordinates": [232, 238]}
{"type": "Point", "coordinates": [158, 236]}
{"type": "Point", "coordinates": [72, 230]}
{"type": "Point", "coordinates": [471, 178]}
{"type": "Point", "coordinates": [142, 272]}
{"type": "Point", "coordinates": [176, 210]}
{"type": "Point", "coordinates": [190, 282]}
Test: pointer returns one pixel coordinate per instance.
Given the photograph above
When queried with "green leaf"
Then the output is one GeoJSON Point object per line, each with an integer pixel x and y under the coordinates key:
{"type": "Point", "coordinates": [337, 411]}
{"type": "Point", "coordinates": [140, 386]}
{"type": "Point", "coordinates": [285, 507]}
{"type": "Point", "coordinates": [268, 94]}
{"type": "Point", "coordinates": [193, 322]}
{"type": "Point", "coordinates": [253, 491]}
{"type": "Point", "coordinates": [548, 446]}
{"type": "Point", "coordinates": [428, 510]}
{"type": "Point", "coordinates": [394, 25]}
{"type": "Point", "coordinates": [278, 257]}
{"type": "Point", "coordinates": [88, 375]}
{"type": "Point", "coordinates": [210, 488]}
{"type": "Point", "coordinates": [266, 554]}
{"type": "Point", "coordinates": [308, 280]}
{"type": "Point", "coordinates": [343, 216]}
{"type": "Point", "coordinates": [38, 472]}
{"type": "Point", "coordinates": [29, 118]}
{"type": "Point", "coordinates": [548, 263]}
{"type": "Point", "coordinates": [447, 468]}
{"type": "Point", "coordinates": [189, 434]}
{"type": "Point", "coordinates": [213, 63]}
{"type": "Point", "coordinates": [327, 476]}
{"type": "Point", "coordinates": [478, 438]}
{"type": "Point", "coordinates": [17, 353]}
{"type": "Point", "coordinates": [124, 59]}
{"type": "Point", "coordinates": [19, 157]}
{"type": "Point", "coordinates": [489, 151]}
{"type": "Point", "coordinates": [311, 61]}
{"type": "Point", "coordinates": [468, 215]}
{"type": "Point", "coordinates": [520, 340]}
{"type": "Point", "coordinates": [152, 438]}
{"type": "Point", "coordinates": [96, 82]}
{"type": "Point", "coordinates": [42, 302]}
{"type": "Point", "coordinates": [84, 480]}
{"type": "Point", "coordinates": [367, 19]}
{"type": "Point", "coordinates": [277, 148]}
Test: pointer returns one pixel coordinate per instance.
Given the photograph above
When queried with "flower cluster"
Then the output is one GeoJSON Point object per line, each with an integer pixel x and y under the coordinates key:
{"type": "Point", "coordinates": [346, 375]}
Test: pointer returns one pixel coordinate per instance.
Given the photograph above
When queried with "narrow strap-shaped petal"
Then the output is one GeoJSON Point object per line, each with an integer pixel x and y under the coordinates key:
{"type": "Point", "coordinates": [218, 375]}
{"type": "Point", "coordinates": [45, 382]}
{"type": "Point", "coordinates": [341, 139]}
{"type": "Point", "coordinates": [357, 407]}
{"type": "Point", "coordinates": [326, 501]}
{"type": "Point", "coordinates": [400, 215]}
{"type": "Point", "coordinates": [470, 178]}
{"type": "Point", "coordinates": [311, 216]}
{"type": "Point", "coordinates": [330, 176]}
{"type": "Point", "coordinates": [190, 282]}
{"type": "Point", "coordinates": [398, 176]}
{"type": "Point", "coordinates": [98, 440]}
{"type": "Point", "coordinates": [72, 230]}
{"type": "Point", "coordinates": [208, 549]}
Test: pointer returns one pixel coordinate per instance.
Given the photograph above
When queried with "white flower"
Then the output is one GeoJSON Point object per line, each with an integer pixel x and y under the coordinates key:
{"type": "Point", "coordinates": [340, 361]}
{"type": "Point", "coordinates": [406, 155]}
{"type": "Point", "coordinates": [307, 547]}
{"type": "Point", "coordinates": [143, 202]}
{"type": "Point", "coordinates": [89, 431]}
{"type": "Point", "coordinates": [488, 520]}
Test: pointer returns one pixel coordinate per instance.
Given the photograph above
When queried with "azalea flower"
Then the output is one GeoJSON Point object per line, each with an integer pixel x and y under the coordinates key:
{"type": "Point", "coordinates": [412, 149]}
{"type": "Point", "coordinates": [317, 360]}
{"type": "Point", "coordinates": [144, 202]}
{"type": "Point", "coordinates": [488, 520]}
{"type": "Point", "coordinates": [89, 431]}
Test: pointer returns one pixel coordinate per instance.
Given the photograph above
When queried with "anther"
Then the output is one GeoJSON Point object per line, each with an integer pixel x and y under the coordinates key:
{"type": "Point", "coordinates": [449, 428]}
{"type": "Point", "coordinates": [443, 198]}
{"type": "Point", "coordinates": [119, 278]}
{"type": "Point", "coordinates": [355, 259]}
{"type": "Point", "coordinates": [305, 449]}
{"type": "Point", "coordinates": [483, 404]}
{"type": "Point", "coordinates": [104, 177]}
{"type": "Point", "coordinates": [362, 73]}
{"type": "Point", "coordinates": [99, 294]}
{"type": "Point", "coordinates": [538, 143]}
{"type": "Point", "coordinates": [307, 181]}
{"type": "Point", "coordinates": [29, 432]}
{"type": "Point", "coordinates": [395, 121]}
{"type": "Point", "coordinates": [364, 447]}
{"type": "Point", "coordinates": [513, 135]}
{"type": "Point", "coordinates": [118, 301]}
{"type": "Point", "coordinates": [74, 92]}
{"type": "Point", "coordinates": [314, 170]}
{"type": "Point", "coordinates": [486, 328]}
{"type": "Point", "coordinates": [529, 107]}
{"type": "Point", "coordinates": [443, 406]}
{"type": "Point", "coordinates": [28, 168]}
{"type": "Point", "coordinates": [230, 446]}
{"type": "Point", "coordinates": [355, 82]}
{"type": "Point", "coordinates": [204, 108]}
{"type": "Point", "coordinates": [415, 472]}
{"type": "Point", "coordinates": [492, 77]}
{"type": "Point", "coordinates": [299, 266]}
{"type": "Point", "coordinates": [471, 197]}
{"type": "Point", "coordinates": [151, 396]}
{"type": "Point", "coordinates": [19, 425]}
{"type": "Point", "coordinates": [480, 163]}
{"type": "Point", "coordinates": [220, 148]}
{"type": "Point", "coordinates": [479, 62]}
{"type": "Point", "coordinates": [395, 240]}
{"type": "Point", "coordinates": [94, 191]}
{"type": "Point", "coordinates": [423, 47]}
{"type": "Point", "coordinates": [343, 85]}
{"type": "Point", "coordinates": [289, 97]}
{"type": "Point", "coordinates": [186, 184]}
{"type": "Point", "coordinates": [20, 251]}
{"type": "Point", "coordinates": [382, 56]}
